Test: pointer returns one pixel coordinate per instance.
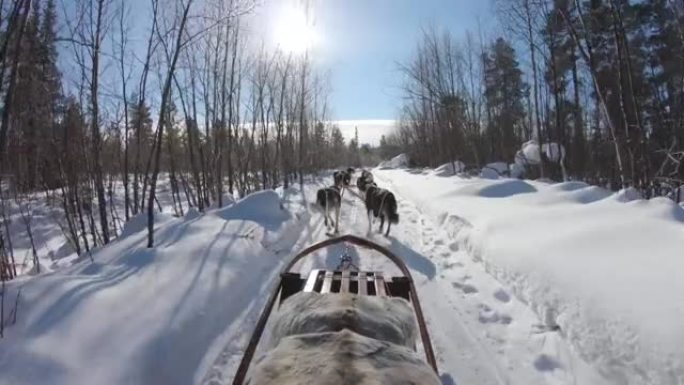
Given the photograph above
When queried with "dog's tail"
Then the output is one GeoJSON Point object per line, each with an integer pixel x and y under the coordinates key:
{"type": "Point", "coordinates": [392, 208]}
{"type": "Point", "coordinates": [320, 198]}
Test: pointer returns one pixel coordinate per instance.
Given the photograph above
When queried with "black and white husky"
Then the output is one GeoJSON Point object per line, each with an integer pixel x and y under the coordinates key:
{"type": "Point", "coordinates": [330, 199]}
{"type": "Point", "coordinates": [383, 204]}
{"type": "Point", "coordinates": [365, 180]}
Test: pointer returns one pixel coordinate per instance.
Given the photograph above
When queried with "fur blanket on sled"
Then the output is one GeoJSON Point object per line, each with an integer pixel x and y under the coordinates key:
{"type": "Point", "coordinates": [342, 339]}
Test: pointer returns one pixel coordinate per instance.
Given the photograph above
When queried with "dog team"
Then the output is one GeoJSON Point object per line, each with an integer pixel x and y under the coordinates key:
{"type": "Point", "coordinates": [379, 202]}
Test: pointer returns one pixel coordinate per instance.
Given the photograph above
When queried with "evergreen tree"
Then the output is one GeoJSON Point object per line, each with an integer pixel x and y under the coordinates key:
{"type": "Point", "coordinates": [504, 93]}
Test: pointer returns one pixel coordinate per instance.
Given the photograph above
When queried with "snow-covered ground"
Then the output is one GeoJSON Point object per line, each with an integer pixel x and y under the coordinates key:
{"type": "Point", "coordinates": [521, 283]}
{"type": "Point", "coordinates": [603, 269]}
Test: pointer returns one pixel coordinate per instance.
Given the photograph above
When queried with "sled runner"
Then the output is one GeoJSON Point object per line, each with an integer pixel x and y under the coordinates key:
{"type": "Point", "coordinates": [344, 280]}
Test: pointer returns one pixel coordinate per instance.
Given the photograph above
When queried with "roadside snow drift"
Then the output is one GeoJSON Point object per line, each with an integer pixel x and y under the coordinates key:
{"type": "Point", "coordinates": [150, 316]}
{"type": "Point", "coordinates": [399, 161]}
{"type": "Point", "coordinates": [602, 269]}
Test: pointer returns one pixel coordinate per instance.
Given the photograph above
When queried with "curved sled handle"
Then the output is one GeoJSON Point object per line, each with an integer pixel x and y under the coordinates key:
{"type": "Point", "coordinates": [261, 323]}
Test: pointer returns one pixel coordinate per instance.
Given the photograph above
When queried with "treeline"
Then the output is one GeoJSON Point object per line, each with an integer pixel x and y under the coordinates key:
{"type": "Point", "coordinates": [602, 78]}
{"type": "Point", "coordinates": [197, 105]}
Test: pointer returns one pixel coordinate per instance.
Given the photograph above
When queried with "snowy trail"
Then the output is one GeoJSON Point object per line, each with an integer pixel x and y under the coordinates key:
{"type": "Point", "coordinates": [480, 332]}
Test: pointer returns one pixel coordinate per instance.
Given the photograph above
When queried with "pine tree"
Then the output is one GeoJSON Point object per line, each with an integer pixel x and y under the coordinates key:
{"type": "Point", "coordinates": [504, 93]}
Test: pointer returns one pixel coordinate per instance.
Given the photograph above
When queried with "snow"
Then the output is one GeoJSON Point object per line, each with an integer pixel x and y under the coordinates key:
{"type": "Point", "coordinates": [600, 267]}
{"type": "Point", "coordinates": [521, 282]}
{"type": "Point", "coordinates": [529, 152]}
{"type": "Point", "coordinates": [451, 168]}
{"type": "Point", "coordinates": [494, 170]}
{"type": "Point", "coordinates": [150, 316]}
{"type": "Point", "coordinates": [399, 161]}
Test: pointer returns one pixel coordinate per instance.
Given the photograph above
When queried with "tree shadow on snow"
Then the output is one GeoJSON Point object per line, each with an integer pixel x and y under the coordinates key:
{"type": "Point", "coordinates": [413, 259]}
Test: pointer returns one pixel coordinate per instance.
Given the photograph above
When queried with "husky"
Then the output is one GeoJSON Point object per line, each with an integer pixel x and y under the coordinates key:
{"type": "Point", "coordinates": [329, 199]}
{"type": "Point", "coordinates": [383, 204]}
{"type": "Point", "coordinates": [342, 178]}
{"type": "Point", "coordinates": [365, 180]}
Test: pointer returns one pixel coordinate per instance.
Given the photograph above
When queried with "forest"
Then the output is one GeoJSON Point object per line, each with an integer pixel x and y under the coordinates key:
{"type": "Point", "coordinates": [603, 80]}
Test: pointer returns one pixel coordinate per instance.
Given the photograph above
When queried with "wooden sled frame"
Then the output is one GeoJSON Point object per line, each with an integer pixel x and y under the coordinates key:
{"type": "Point", "coordinates": [291, 283]}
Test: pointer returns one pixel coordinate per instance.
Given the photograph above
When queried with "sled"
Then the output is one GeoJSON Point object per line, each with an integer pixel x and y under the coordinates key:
{"type": "Point", "coordinates": [346, 278]}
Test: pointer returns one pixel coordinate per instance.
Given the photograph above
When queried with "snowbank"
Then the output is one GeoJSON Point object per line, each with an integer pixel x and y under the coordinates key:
{"type": "Point", "coordinates": [399, 161]}
{"type": "Point", "coordinates": [602, 268]}
{"type": "Point", "coordinates": [494, 170]}
{"type": "Point", "coordinates": [451, 168]}
{"type": "Point", "coordinates": [151, 316]}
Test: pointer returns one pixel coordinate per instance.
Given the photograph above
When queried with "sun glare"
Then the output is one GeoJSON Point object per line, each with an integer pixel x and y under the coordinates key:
{"type": "Point", "coordinates": [293, 32]}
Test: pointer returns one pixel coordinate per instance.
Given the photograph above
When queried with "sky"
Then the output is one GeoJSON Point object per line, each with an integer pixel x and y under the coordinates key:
{"type": "Point", "coordinates": [360, 43]}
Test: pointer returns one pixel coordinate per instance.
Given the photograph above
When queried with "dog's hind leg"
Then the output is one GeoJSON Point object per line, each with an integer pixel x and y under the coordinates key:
{"type": "Point", "coordinates": [389, 224]}
{"type": "Point", "coordinates": [337, 218]}
{"type": "Point", "coordinates": [382, 222]}
{"type": "Point", "coordinates": [369, 222]}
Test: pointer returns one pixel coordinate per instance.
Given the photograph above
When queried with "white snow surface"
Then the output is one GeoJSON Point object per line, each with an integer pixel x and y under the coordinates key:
{"type": "Point", "coordinates": [529, 152]}
{"type": "Point", "coordinates": [399, 161]}
{"type": "Point", "coordinates": [450, 168]}
{"type": "Point", "coordinates": [149, 316]}
{"type": "Point", "coordinates": [521, 283]}
{"type": "Point", "coordinates": [603, 268]}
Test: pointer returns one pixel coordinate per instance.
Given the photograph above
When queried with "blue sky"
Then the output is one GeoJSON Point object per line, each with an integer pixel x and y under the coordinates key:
{"type": "Point", "coordinates": [361, 42]}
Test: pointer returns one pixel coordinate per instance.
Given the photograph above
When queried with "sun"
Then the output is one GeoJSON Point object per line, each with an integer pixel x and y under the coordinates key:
{"type": "Point", "coordinates": [294, 32]}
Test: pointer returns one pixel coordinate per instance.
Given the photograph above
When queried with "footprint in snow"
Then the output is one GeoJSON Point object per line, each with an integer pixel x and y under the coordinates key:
{"type": "Point", "coordinates": [450, 265]}
{"type": "Point", "coordinates": [545, 363]}
{"type": "Point", "coordinates": [488, 315]}
{"type": "Point", "coordinates": [454, 246]}
{"type": "Point", "coordinates": [439, 242]}
{"type": "Point", "coordinates": [466, 288]}
{"type": "Point", "coordinates": [502, 296]}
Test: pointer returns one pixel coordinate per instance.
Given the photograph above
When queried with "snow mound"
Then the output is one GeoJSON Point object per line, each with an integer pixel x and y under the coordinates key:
{"type": "Point", "coordinates": [451, 168]}
{"type": "Point", "coordinates": [627, 195]}
{"type": "Point", "coordinates": [494, 170]}
{"type": "Point", "coordinates": [399, 161]}
{"type": "Point", "coordinates": [529, 153]}
{"type": "Point", "coordinates": [263, 207]}
{"type": "Point", "coordinates": [150, 316]}
{"type": "Point", "coordinates": [516, 170]}
{"type": "Point", "coordinates": [506, 189]}
{"type": "Point", "coordinates": [588, 194]}
{"type": "Point", "coordinates": [340, 357]}
{"type": "Point", "coordinates": [385, 319]}
{"type": "Point", "coordinates": [569, 186]}
{"type": "Point", "coordinates": [138, 223]}
{"type": "Point", "coordinates": [191, 214]}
